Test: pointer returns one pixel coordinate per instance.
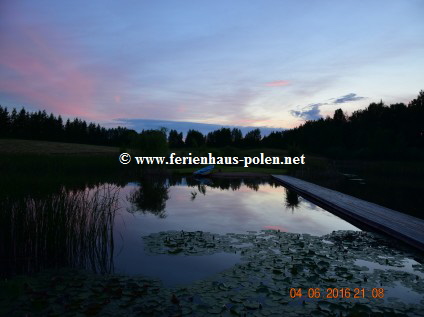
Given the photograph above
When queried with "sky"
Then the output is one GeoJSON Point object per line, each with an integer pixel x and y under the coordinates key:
{"type": "Point", "coordinates": [256, 63]}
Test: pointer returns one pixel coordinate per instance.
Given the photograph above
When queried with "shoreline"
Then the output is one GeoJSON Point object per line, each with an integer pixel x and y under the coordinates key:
{"type": "Point", "coordinates": [239, 175]}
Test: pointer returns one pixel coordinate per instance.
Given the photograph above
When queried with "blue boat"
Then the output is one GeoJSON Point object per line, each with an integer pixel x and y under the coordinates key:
{"type": "Point", "coordinates": [204, 171]}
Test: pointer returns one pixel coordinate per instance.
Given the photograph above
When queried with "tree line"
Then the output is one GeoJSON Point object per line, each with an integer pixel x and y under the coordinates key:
{"type": "Point", "coordinates": [218, 138]}
{"type": "Point", "coordinates": [41, 126]}
{"type": "Point", "coordinates": [378, 131]}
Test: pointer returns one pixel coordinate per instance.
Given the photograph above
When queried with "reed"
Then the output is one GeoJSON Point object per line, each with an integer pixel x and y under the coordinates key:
{"type": "Point", "coordinates": [71, 228]}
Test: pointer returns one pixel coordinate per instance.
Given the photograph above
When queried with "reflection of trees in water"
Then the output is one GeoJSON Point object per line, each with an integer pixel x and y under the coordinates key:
{"type": "Point", "coordinates": [292, 199]}
{"type": "Point", "coordinates": [66, 229]}
{"type": "Point", "coordinates": [48, 183]}
{"type": "Point", "coordinates": [153, 192]}
{"type": "Point", "coordinates": [193, 196]}
{"type": "Point", "coordinates": [233, 184]}
{"type": "Point", "coordinates": [151, 196]}
{"type": "Point", "coordinates": [253, 183]}
{"type": "Point", "coordinates": [236, 184]}
{"type": "Point", "coordinates": [227, 183]}
{"type": "Point", "coordinates": [201, 188]}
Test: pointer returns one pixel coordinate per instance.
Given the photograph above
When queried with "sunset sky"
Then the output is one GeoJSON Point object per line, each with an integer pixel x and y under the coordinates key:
{"type": "Point", "coordinates": [246, 63]}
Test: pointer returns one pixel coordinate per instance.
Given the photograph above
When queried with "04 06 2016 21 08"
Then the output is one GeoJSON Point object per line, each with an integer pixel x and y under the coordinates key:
{"type": "Point", "coordinates": [335, 293]}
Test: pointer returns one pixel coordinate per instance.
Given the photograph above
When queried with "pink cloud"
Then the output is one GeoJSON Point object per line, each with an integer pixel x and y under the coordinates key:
{"type": "Point", "coordinates": [277, 83]}
{"type": "Point", "coordinates": [256, 121]}
{"type": "Point", "coordinates": [38, 70]}
{"type": "Point", "coordinates": [182, 109]}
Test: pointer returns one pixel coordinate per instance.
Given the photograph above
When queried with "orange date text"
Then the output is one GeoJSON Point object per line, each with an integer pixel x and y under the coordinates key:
{"type": "Point", "coordinates": [334, 293]}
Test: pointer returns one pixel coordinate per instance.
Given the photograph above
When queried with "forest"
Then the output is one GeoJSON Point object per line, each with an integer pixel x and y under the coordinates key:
{"type": "Point", "coordinates": [379, 131]}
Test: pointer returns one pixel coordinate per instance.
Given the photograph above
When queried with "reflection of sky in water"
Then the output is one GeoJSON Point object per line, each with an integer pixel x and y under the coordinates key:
{"type": "Point", "coordinates": [400, 291]}
{"type": "Point", "coordinates": [219, 211]}
{"type": "Point", "coordinates": [223, 211]}
{"type": "Point", "coordinates": [407, 266]}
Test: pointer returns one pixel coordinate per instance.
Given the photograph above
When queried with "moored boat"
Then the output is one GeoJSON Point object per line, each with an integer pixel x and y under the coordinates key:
{"type": "Point", "coordinates": [204, 171]}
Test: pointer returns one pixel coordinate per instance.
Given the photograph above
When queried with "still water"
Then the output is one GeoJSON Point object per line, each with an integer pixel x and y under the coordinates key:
{"type": "Point", "coordinates": [100, 227]}
{"type": "Point", "coordinates": [216, 206]}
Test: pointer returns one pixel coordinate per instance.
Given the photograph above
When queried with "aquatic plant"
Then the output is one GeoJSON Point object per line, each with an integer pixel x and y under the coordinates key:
{"type": "Point", "coordinates": [272, 264]}
{"type": "Point", "coordinates": [72, 228]}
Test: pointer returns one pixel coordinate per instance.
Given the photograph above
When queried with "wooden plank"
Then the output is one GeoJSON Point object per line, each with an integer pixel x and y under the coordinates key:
{"type": "Point", "coordinates": [401, 226]}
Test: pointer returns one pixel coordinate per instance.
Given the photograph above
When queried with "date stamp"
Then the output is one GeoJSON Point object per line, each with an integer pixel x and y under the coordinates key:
{"type": "Point", "coordinates": [334, 293]}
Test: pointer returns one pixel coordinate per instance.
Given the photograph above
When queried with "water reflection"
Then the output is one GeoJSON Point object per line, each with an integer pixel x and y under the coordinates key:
{"type": "Point", "coordinates": [292, 199]}
{"type": "Point", "coordinates": [76, 226]}
{"type": "Point", "coordinates": [152, 192]}
{"type": "Point", "coordinates": [223, 205]}
{"type": "Point", "coordinates": [387, 183]}
{"type": "Point", "coordinates": [191, 202]}
{"type": "Point", "coordinates": [193, 195]}
{"type": "Point", "coordinates": [70, 228]}
{"type": "Point", "coordinates": [150, 196]}
{"type": "Point", "coordinates": [211, 205]}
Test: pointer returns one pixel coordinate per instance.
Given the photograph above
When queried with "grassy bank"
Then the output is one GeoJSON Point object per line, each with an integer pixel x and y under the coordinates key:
{"type": "Point", "coordinates": [39, 158]}
{"type": "Point", "coordinates": [394, 184]}
{"type": "Point", "coordinates": [16, 146]}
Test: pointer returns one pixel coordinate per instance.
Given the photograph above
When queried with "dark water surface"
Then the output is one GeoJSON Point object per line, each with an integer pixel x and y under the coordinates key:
{"type": "Point", "coordinates": [209, 207]}
{"type": "Point", "coordinates": [100, 226]}
{"type": "Point", "coordinates": [395, 185]}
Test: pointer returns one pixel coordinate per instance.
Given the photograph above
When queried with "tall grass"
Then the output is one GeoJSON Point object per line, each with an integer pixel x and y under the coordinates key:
{"type": "Point", "coordinates": [65, 229]}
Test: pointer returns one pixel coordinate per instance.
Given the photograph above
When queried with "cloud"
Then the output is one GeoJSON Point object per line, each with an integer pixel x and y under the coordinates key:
{"type": "Point", "coordinates": [184, 126]}
{"type": "Point", "coordinates": [277, 83]}
{"type": "Point", "coordinates": [311, 112]}
{"type": "Point", "coordinates": [36, 69]}
{"type": "Point", "coordinates": [347, 98]}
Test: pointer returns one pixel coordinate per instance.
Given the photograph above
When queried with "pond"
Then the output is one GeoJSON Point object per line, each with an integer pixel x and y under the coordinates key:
{"type": "Point", "coordinates": [228, 246]}
{"type": "Point", "coordinates": [218, 206]}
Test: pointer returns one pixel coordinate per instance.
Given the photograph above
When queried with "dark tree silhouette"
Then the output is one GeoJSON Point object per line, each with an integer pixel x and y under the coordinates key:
{"type": "Point", "coordinates": [194, 139]}
{"type": "Point", "coordinates": [236, 137]}
{"type": "Point", "coordinates": [253, 138]}
{"type": "Point", "coordinates": [378, 131]}
{"type": "Point", "coordinates": [219, 138]}
{"type": "Point", "coordinates": [175, 139]}
{"type": "Point", "coordinates": [41, 126]}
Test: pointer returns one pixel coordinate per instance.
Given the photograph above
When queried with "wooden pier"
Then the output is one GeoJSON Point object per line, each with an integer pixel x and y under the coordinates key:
{"type": "Point", "coordinates": [398, 225]}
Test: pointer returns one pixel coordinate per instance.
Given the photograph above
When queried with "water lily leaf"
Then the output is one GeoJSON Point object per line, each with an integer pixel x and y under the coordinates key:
{"type": "Point", "coordinates": [252, 305]}
{"type": "Point", "coordinates": [215, 310]}
{"type": "Point", "coordinates": [175, 251]}
{"type": "Point", "coordinates": [236, 310]}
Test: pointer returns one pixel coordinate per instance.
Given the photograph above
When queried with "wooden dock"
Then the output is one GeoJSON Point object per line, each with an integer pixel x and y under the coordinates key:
{"type": "Point", "coordinates": [398, 225]}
